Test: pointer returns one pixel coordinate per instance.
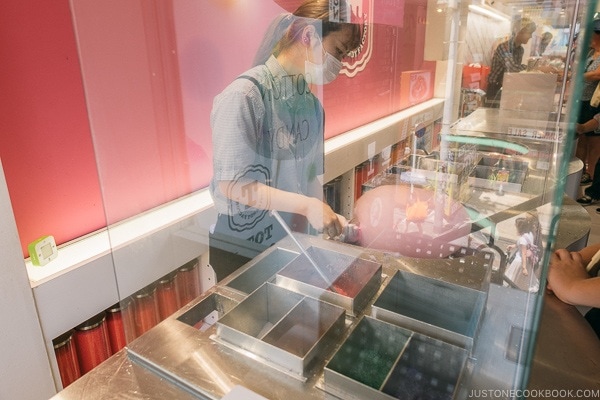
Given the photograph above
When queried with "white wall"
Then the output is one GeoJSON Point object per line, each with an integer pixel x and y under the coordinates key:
{"type": "Point", "coordinates": [24, 367]}
{"type": "Point", "coordinates": [481, 36]}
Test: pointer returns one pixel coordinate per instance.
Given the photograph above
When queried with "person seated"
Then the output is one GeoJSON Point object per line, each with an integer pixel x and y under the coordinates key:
{"type": "Point", "coordinates": [573, 278]}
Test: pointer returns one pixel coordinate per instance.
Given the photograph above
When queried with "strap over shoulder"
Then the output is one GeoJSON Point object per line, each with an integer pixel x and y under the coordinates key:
{"type": "Point", "coordinates": [256, 82]}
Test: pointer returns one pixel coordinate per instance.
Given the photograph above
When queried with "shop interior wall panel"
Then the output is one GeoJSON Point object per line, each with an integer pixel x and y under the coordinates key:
{"type": "Point", "coordinates": [45, 141]}
{"type": "Point", "coordinates": [78, 96]}
{"type": "Point", "coordinates": [126, 142]}
{"type": "Point", "coordinates": [71, 298]}
{"type": "Point", "coordinates": [345, 151]}
{"type": "Point", "coordinates": [21, 341]}
{"type": "Point", "coordinates": [147, 259]}
{"type": "Point", "coordinates": [370, 82]}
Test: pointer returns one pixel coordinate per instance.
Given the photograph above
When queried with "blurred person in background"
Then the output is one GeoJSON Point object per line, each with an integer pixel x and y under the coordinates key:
{"type": "Point", "coordinates": [591, 194]}
{"type": "Point", "coordinates": [508, 57]}
{"type": "Point", "coordinates": [588, 144]}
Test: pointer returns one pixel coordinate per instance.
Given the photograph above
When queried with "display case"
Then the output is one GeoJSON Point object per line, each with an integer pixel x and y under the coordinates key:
{"type": "Point", "coordinates": [420, 293]}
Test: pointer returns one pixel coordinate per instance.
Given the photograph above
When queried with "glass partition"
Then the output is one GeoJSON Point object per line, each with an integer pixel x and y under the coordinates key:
{"type": "Point", "coordinates": [332, 197]}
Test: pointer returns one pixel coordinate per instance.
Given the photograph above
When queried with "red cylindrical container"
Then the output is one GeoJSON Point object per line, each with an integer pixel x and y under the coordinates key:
{"type": "Point", "coordinates": [128, 315]}
{"type": "Point", "coordinates": [66, 358]}
{"type": "Point", "coordinates": [92, 343]}
{"type": "Point", "coordinates": [188, 281]}
{"type": "Point", "coordinates": [394, 154]}
{"type": "Point", "coordinates": [118, 323]}
{"type": "Point", "coordinates": [146, 309]}
{"type": "Point", "coordinates": [167, 294]}
{"type": "Point", "coordinates": [375, 165]}
{"type": "Point", "coordinates": [358, 173]}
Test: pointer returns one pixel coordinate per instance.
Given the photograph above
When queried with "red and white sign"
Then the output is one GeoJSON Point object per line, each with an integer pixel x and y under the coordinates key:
{"type": "Point", "coordinates": [416, 87]}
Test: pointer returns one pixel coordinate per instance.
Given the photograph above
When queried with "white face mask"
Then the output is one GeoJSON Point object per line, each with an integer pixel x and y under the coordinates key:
{"type": "Point", "coordinates": [324, 73]}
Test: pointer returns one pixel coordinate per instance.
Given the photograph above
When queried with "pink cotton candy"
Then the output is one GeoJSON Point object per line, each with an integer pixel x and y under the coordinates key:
{"type": "Point", "coordinates": [414, 223]}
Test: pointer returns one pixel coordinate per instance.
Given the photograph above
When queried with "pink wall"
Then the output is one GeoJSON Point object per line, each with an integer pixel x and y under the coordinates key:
{"type": "Point", "coordinates": [375, 92]}
{"type": "Point", "coordinates": [45, 143]}
{"type": "Point", "coordinates": [150, 70]}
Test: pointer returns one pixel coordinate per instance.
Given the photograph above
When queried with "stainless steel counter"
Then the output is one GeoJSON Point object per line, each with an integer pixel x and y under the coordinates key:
{"type": "Point", "coordinates": [176, 361]}
{"type": "Point", "coordinates": [566, 358]}
{"type": "Point", "coordinates": [504, 122]}
{"type": "Point", "coordinates": [120, 378]}
{"type": "Point", "coordinates": [211, 368]}
{"type": "Point", "coordinates": [567, 352]}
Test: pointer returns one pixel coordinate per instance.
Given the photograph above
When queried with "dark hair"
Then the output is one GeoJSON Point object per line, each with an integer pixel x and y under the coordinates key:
{"type": "Point", "coordinates": [535, 227]}
{"type": "Point", "coordinates": [524, 24]}
{"type": "Point", "coordinates": [286, 28]}
{"type": "Point", "coordinates": [547, 37]}
{"type": "Point", "coordinates": [523, 225]}
{"type": "Point", "coordinates": [530, 223]}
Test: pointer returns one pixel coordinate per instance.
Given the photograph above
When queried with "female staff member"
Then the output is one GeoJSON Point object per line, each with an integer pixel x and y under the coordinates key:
{"type": "Point", "coordinates": [267, 130]}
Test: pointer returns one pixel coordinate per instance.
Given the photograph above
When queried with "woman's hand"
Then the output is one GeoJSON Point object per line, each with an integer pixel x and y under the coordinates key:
{"type": "Point", "coordinates": [256, 194]}
{"type": "Point", "coordinates": [323, 218]}
{"type": "Point", "coordinates": [566, 271]}
{"type": "Point", "coordinates": [587, 126]}
{"type": "Point", "coordinates": [547, 69]}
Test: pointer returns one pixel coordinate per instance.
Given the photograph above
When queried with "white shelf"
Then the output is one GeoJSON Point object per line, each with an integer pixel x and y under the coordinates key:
{"type": "Point", "coordinates": [93, 246]}
{"type": "Point", "coordinates": [345, 151]}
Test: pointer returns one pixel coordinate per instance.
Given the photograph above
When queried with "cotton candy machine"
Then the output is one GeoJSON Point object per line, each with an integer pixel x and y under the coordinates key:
{"type": "Point", "coordinates": [411, 221]}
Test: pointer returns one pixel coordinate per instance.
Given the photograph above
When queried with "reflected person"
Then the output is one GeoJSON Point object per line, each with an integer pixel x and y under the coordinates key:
{"type": "Point", "coordinates": [508, 57]}
{"type": "Point", "coordinates": [268, 136]}
{"type": "Point", "coordinates": [544, 42]}
{"type": "Point", "coordinates": [521, 271]}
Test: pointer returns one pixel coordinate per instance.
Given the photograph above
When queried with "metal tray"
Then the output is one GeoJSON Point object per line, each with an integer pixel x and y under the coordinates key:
{"type": "Point", "coordinates": [343, 280]}
{"type": "Point", "coordinates": [435, 308]}
{"type": "Point", "coordinates": [382, 361]}
{"type": "Point", "coordinates": [427, 369]}
{"type": "Point", "coordinates": [260, 270]}
{"type": "Point", "coordinates": [282, 328]}
{"type": "Point", "coordinates": [485, 174]}
{"type": "Point", "coordinates": [204, 314]}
